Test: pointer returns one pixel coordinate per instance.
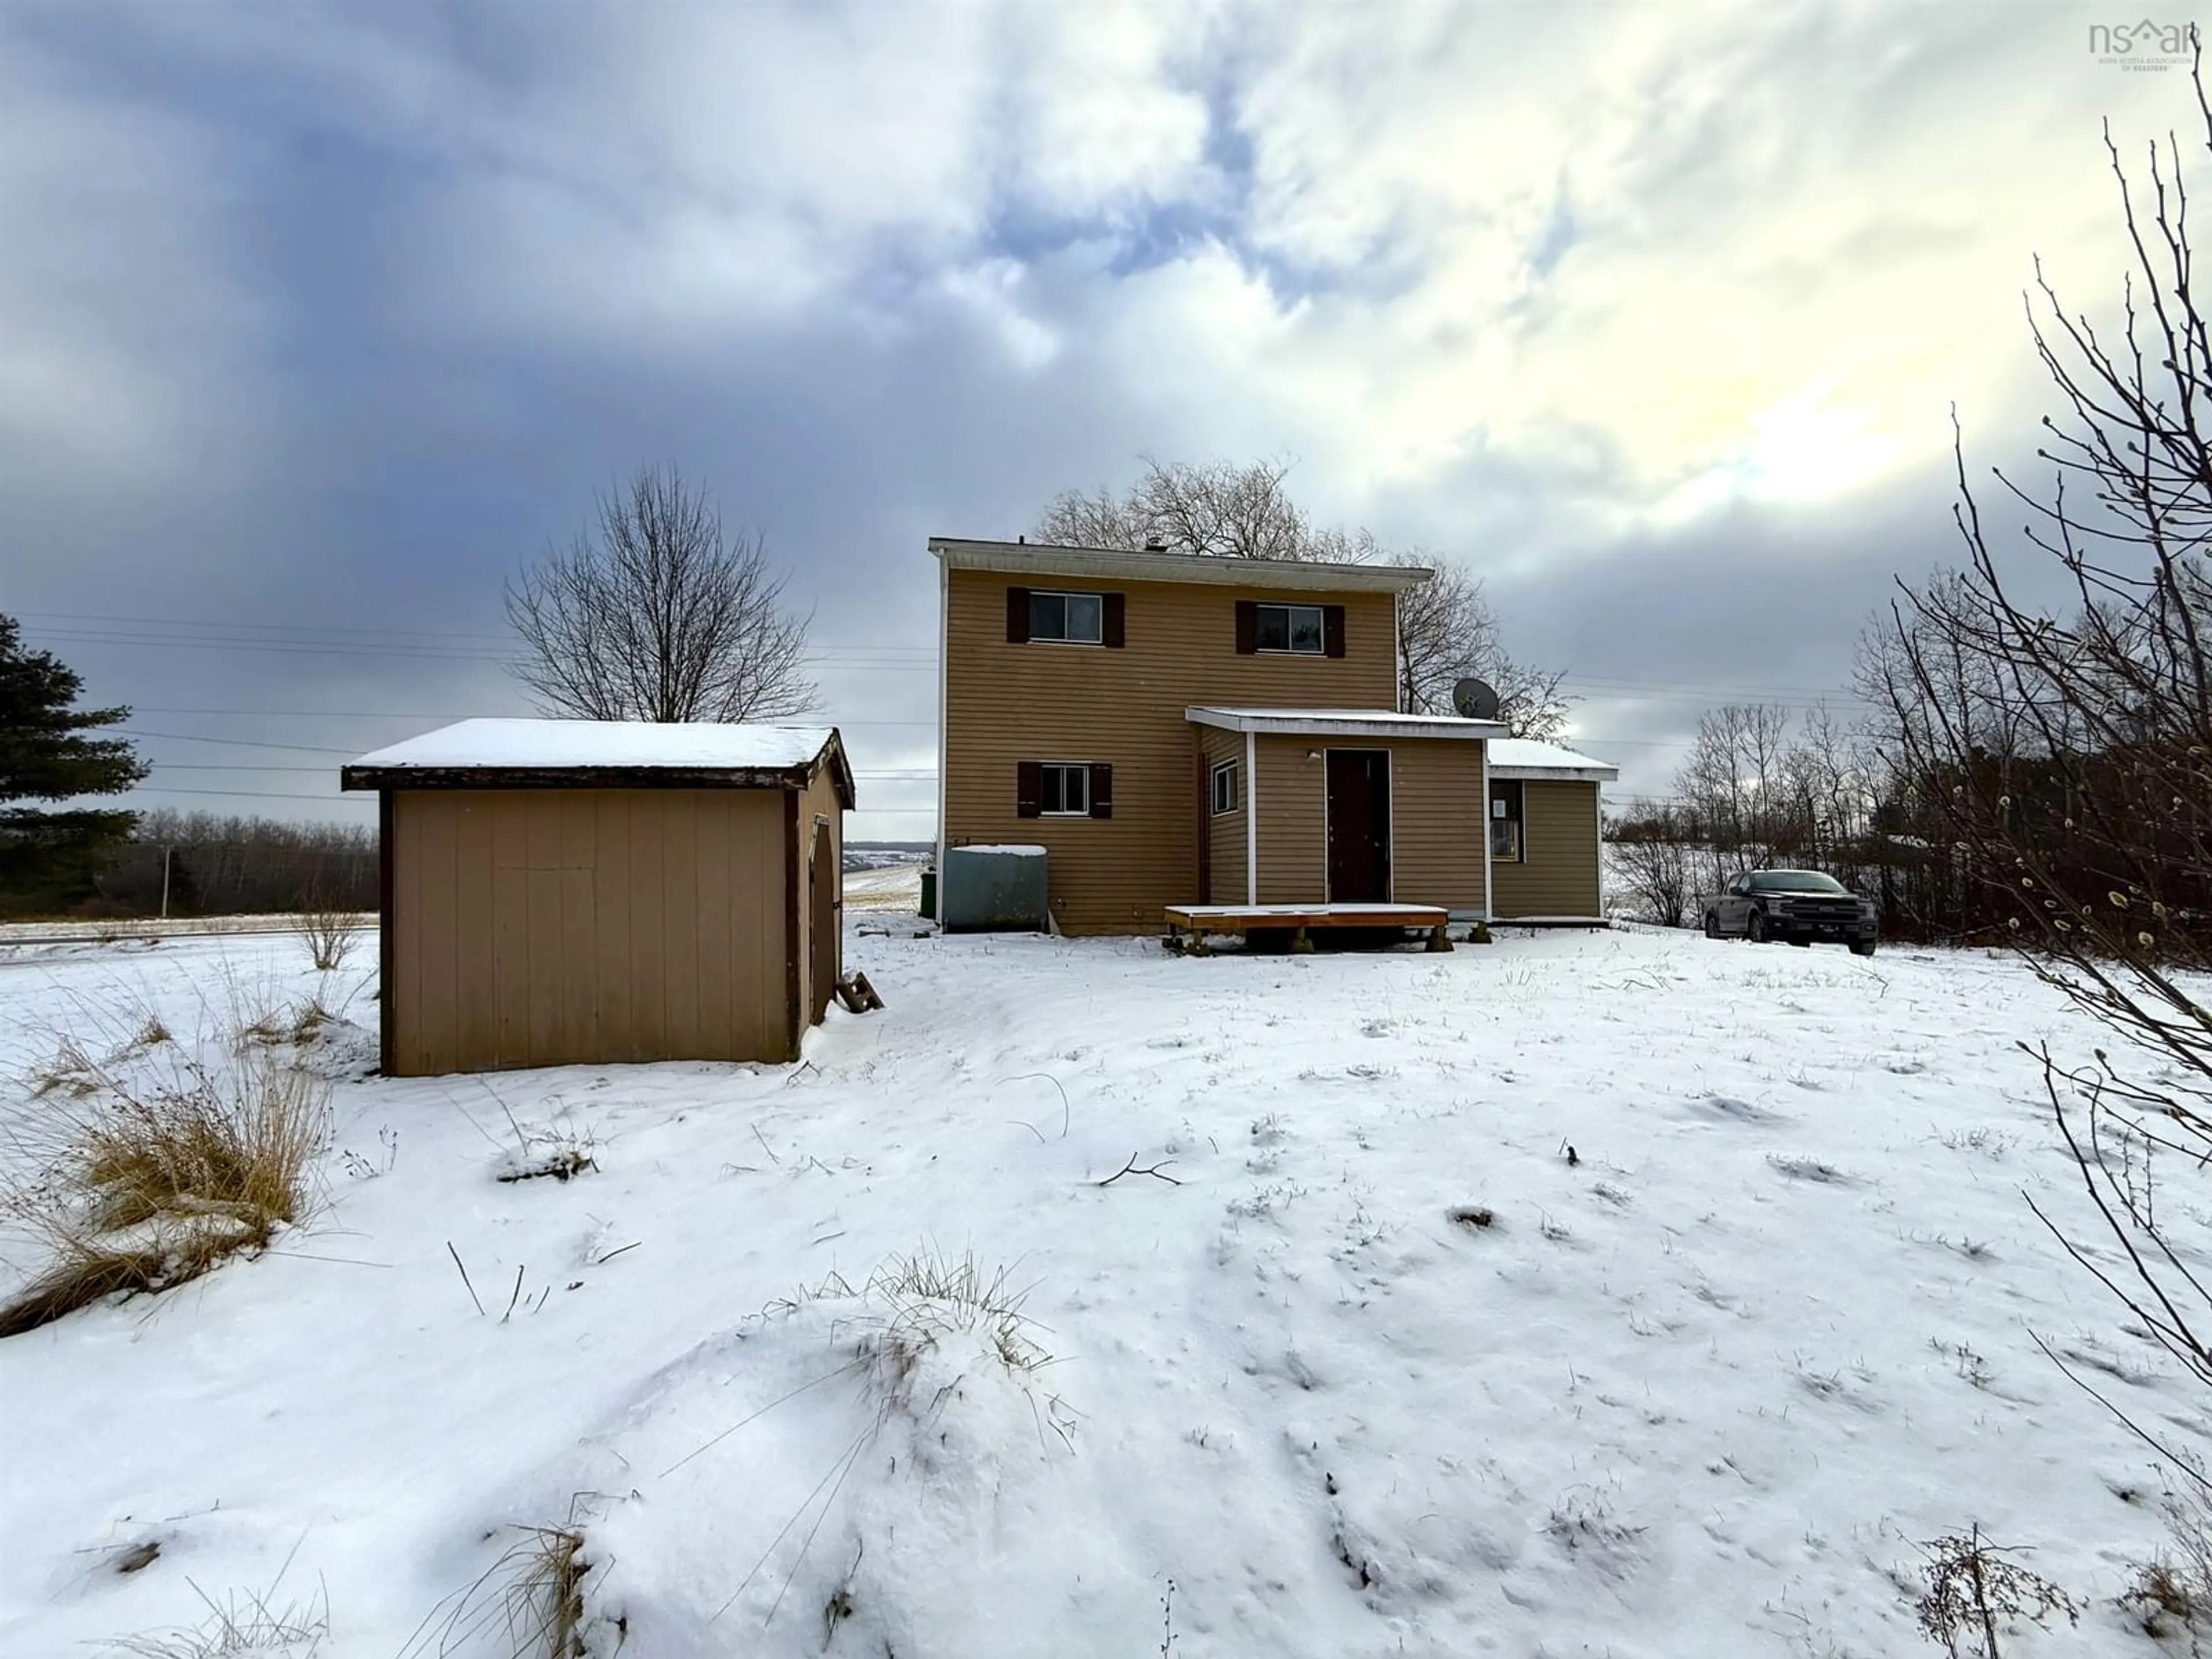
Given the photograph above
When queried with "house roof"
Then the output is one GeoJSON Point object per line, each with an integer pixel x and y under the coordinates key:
{"type": "Point", "coordinates": [1523, 757]}
{"type": "Point", "coordinates": [1119, 565]}
{"type": "Point", "coordinates": [486, 754]}
{"type": "Point", "coordinates": [1343, 723]}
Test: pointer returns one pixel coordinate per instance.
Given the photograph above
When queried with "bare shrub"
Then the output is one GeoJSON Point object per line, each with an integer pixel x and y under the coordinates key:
{"type": "Point", "coordinates": [143, 1177]}
{"type": "Point", "coordinates": [330, 932]}
{"type": "Point", "coordinates": [2173, 1593]}
{"type": "Point", "coordinates": [1974, 1591]}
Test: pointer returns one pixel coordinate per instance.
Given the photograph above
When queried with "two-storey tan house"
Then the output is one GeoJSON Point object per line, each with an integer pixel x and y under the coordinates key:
{"type": "Point", "coordinates": [1175, 730]}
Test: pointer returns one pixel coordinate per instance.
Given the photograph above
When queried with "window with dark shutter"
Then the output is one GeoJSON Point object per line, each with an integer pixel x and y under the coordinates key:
{"type": "Point", "coordinates": [1117, 627]}
{"type": "Point", "coordinates": [1018, 615]}
{"type": "Point", "coordinates": [1029, 789]}
{"type": "Point", "coordinates": [1101, 790]}
{"type": "Point", "coordinates": [1247, 627]}
{"type": "Point", "coordinates": [1332, 629]}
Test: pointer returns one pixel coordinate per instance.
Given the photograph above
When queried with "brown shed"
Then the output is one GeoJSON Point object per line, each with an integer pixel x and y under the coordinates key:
{"type": "Point", "coordinates": [585, 893]}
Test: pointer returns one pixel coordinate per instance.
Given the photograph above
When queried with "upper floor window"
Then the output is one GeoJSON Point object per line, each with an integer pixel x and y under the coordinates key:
{"type": "Point", "coordinates": [1297, 630]}
{"type": "Point", "coordinates": [1289, 628]}
{"type": "Point", "coordinates": [1077, 618]}
{"type": "Point", "coordinates": [1064, 618]}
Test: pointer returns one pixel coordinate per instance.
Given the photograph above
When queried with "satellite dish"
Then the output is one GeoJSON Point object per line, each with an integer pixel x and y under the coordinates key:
{"type": "Point", "coordinates": [1475, 700]}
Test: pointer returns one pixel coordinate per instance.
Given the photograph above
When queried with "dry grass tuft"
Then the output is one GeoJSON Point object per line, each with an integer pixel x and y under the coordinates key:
{"type": "Point", "coordinates": [241, 1627]}
{"type": "Point", "coordinates": [148, 1176]}
{"type": "Point", "coordinates": [929, 1296]}
{"type": "Point", "coordinates": [533, 1595]}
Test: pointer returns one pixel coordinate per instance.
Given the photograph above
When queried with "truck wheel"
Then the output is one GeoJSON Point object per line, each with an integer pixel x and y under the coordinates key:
{"type": "Point", "coordinates": [1861, 947]}
{"type": "Point", "coordinates": [1755, 929]}
{"type": "Point", "coordinates": [1712, 925]}
{"type": "Point", "coordinates": [1803, 943]}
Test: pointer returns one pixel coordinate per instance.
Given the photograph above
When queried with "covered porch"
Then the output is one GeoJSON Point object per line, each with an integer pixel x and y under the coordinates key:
{"type": "Point", "coordinates": [1336, 820]}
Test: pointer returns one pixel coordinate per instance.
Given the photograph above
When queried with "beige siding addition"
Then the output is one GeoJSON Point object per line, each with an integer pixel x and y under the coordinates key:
{"type": "Point", "coordinates": [1560, 833]}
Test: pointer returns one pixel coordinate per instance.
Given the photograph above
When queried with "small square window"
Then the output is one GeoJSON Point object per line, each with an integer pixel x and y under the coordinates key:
{"type": "Point", "coordinates": [1066, 791]}
{"type": "Point", "coordinates": [1294, 628]}
{"type": "Point", "coordinates": [1505, 820]}
{"type": "Point", "coordinates": [1225, 787]}
{"type": "Point", "coordinates": [1068, 618]}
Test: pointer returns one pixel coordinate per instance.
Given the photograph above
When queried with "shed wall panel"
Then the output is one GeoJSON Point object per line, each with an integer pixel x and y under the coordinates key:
{"type": "Point", "coordinates": [535, 927]}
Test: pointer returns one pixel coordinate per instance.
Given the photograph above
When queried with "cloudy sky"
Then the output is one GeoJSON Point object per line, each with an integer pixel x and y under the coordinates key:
{"type": "Point", "coordinates": [319, 319]}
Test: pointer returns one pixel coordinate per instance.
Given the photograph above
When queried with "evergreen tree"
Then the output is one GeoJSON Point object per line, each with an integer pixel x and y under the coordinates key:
{"type": "Point", "coordinates": [47, 858]}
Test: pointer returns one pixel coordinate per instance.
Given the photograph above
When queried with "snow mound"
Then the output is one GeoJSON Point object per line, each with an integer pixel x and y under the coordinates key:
{"type": "Point", "coordinates": [889, 1473]}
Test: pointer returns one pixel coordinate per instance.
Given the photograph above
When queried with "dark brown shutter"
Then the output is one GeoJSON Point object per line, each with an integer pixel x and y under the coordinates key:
{"type": "Point", "coordinates": [1029, 788]}
{"type": "Point", "coordinates": [1332, 629]}
{"type": "Point", "coordinates": [1101, 790]}
{"type": "Point", "coordinates": [1114, 630]}
{"type": "Point", "coordinates": [1018, 617]}
{"type": "Point", "coordinates": [1247, 627]}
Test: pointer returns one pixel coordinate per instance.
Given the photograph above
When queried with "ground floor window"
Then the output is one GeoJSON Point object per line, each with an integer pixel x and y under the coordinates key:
{"type": "Point", "coordinates": [1225, 787]}
{"type": "Point", "coordinates": [1506, 841]}
{"type": "Point", "coordinates": [1063, 789]}
{"type": "Point", "coordinates": [1067, 790]}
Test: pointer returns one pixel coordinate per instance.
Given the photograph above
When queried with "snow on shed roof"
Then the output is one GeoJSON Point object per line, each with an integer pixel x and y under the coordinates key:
{"type": "Point", "coordinates": [620, 751]}
{"type": "Point", "coordinates": [1512, 757]}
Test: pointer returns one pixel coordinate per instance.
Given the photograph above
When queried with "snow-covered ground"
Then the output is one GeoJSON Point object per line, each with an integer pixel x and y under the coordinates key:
{"type": "Point", "coordinates": [1699, 1390]}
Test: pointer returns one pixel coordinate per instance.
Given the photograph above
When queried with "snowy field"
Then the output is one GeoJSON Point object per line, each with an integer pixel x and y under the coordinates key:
{"type": "Point", "coordinates": [1700, 1390]}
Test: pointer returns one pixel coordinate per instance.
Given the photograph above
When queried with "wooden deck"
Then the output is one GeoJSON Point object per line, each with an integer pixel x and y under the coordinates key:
{"type": "Point", "coordinates": [1189, 925]}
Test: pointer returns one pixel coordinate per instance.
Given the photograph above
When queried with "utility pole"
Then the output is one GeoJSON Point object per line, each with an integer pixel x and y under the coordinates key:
{"type": "Point", "coordinates": [165, 882]}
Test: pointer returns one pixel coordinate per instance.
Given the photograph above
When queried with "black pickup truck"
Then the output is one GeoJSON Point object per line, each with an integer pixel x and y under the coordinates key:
{"type": "Point", "coordinates": [1800, 906]}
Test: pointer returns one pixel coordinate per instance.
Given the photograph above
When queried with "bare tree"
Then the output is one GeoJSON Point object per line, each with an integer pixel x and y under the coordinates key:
{"type": "Point", "coordinates": [1733, 782]}
{"type": "Point", "coordinates": [1654, 853]}
{"type": "Point", "coordinates": [1216, 510]}
{"type": "Point", "coordinates": [1447, 629]}
{"type": "Point", "coordinates": [658, 615]}
{"type": "Point", "coordinates": [2066, 753]}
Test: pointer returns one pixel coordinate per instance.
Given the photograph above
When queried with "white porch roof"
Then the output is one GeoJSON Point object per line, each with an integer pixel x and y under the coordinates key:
{"type": "Point", "coordinates": [1343, 723]}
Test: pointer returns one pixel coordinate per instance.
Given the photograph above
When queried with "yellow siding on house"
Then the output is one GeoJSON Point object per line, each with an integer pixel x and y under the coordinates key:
{"type": "Point", "coordinates": [554, 926]}
{"type": "Point", "coordinates": [1436, 830]}
{"type": "Point", "coordinates": [1559, 835]}
{"type": "Point", "coordinates": [1435, 820]}
{"type": "Point", "coordinates": [1225, 832]}
{"type": "Point", "coordinates": [1006, 703]}
{"type": "Point", "coordinates": [1289, 799]}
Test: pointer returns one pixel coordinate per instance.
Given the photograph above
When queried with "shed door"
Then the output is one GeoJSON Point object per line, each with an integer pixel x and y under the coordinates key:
{"type": "Point", "coordinates": [1358, 826]}
{"type": "Point", "coordinates": [826, 883]}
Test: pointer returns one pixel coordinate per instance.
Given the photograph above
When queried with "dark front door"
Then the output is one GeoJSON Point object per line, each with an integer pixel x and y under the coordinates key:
{"type": "Point", "coordinates": [1358, 826]}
